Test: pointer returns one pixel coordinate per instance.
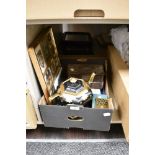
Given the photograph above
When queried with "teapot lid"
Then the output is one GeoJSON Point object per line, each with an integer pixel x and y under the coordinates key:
{"type": "Point", "coordinates": [73, 85]}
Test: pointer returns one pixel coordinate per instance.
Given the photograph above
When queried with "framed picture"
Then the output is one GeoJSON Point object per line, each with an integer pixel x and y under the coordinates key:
{"type": "Point", "coordinates": [53, 66]}
{"type": "Point", "coordinates": [40, 58]}
{"type": "Point", "coordinates": [48, 78]}
{"type": "Point", "coordinates": [44, 57]}
{"type": "Point", "coordinates": [45, 45]}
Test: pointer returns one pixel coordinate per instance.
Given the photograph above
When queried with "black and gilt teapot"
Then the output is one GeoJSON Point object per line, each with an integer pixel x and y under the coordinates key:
{"type": "Point", "coordinates": [74, 91]}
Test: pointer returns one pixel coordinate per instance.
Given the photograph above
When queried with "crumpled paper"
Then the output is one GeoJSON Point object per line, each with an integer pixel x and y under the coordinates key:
{"type": "Point", "coordinates": [120, 39]}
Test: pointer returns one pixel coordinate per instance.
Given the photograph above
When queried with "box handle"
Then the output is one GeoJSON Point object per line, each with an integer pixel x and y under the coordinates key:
{"type": "Point", "coordinates": [81, 60]}
{"type": "Point", "coordinates": [75, 118]}
{"type": "Point", "coordinates": [88, 13]}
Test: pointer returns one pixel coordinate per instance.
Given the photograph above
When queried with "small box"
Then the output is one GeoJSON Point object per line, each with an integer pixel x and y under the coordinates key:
{"type": "Point", "coordinates": [97, 97]}
{"type": "Point", "coordinates": [84, 71]}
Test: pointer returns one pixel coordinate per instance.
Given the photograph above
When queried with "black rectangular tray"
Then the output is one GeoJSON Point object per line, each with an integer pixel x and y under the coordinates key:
{"type": "Point", "coordinates": [77, 43]}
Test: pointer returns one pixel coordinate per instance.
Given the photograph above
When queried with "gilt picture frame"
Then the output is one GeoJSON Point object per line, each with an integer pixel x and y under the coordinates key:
{"type": "Point", "coordinates": [44, 56]}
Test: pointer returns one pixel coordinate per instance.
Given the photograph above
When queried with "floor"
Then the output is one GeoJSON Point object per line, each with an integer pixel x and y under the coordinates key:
{"type": "Point", "coordinates": [42, 132]}
{"type": "Point", "coordinates": [77, 148]}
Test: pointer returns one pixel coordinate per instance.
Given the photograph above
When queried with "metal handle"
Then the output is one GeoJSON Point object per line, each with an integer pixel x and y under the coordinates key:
{"type": "Point", "coordinates": [51, 98]}
{"type": "Point", "coordinates": [88, 13]}
{"type": "Point", "coordinates": [91, 78]}
{"type": "Point", "coordinates": [81, 60]}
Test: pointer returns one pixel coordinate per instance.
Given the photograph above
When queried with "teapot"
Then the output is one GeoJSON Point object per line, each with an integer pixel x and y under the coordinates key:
{"type": "Point", "coordinates": [74, 91]}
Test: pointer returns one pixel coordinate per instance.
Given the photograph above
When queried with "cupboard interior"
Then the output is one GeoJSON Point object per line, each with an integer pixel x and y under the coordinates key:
{"type": "Point", "coordinates": [101, 53]}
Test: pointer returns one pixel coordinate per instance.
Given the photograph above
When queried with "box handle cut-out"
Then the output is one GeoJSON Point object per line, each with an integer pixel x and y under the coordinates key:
{"type": "Point", "coordinates": [75, 118]}
{"type": "Point", "coordinates": [89, 13]}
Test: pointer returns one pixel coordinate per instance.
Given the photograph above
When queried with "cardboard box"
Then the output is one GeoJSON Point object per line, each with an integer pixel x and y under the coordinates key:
{"type": "Point", "coordinates": [75, 116]}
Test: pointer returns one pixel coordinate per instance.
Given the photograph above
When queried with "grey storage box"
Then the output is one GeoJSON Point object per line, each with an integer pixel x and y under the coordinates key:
{"type": "Point", "coordinates": [74, 116]}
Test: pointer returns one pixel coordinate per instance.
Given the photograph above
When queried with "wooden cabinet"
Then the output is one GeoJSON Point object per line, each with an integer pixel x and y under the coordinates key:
{"type": "Point", "coordinates": [115, 12]}
{"type": "Point", "coordinates": [119, 79]}
{"type": "Point", "coordinates": [58, 11]}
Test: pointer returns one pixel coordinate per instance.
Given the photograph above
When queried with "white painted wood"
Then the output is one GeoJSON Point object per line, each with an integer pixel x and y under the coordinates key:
{"type": "Point", "coordinates": [31, 32]}
{"type": "Point", "coordinates": [45, 11]}
{"type": "Point", "coordinates": [33, 87]}
{"type": "Point", "coordinates": [31, 118]}
{"type": "Point", "coordinates": [78, 21]}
